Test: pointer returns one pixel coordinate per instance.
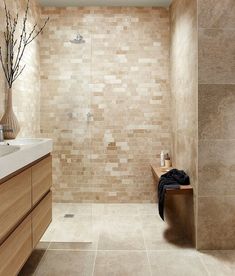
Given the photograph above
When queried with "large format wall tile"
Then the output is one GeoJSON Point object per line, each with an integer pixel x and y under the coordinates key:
{"type": "Point", "coordinates": [216, 56]}
{"type": "Point", "coordinates": [216, 14]}
{"type": "Point", "coordinates": [184, 67]}
{"type": "Point", "coordinates": [216, 222]}
{"type": "Point", "coordinates": [184, 94]}
{"type": "Point", "coordinates": [120, 75]}
{"type": "Point", "coordinates": [216, 171]}
{"type": "Point", "coordinates": [216, 111]}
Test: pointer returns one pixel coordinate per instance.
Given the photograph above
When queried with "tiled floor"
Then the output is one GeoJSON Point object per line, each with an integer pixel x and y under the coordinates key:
{"type": "Point", "coordinates": [128, 239]}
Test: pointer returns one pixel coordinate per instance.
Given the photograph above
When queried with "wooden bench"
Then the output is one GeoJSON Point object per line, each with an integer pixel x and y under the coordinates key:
{"type": "Point", "coordinates": [184, 189]}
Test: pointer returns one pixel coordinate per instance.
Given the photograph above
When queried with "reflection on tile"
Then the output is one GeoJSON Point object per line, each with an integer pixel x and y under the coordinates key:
{"type": "Point", "coordinates": [219, 263]}
{"type": "Point", "coordinates": [212, 45]}
{"type": "Point", "coordinates": [216, 168]}
{"type": "Point", "coordinates": [216, 111]}
{"type": "Point", "coordinates": [216, 222]}
{"type": "Point", "coordinates": [121, 263]}
{"type": "Point", "coordinates": [69, 263]}
{"type": "Point", "coordinates": [177, 263]}
{"type": "Point", "coordinates": [161, 238]}
{"type": "Point", "coordinates": [34, 260]}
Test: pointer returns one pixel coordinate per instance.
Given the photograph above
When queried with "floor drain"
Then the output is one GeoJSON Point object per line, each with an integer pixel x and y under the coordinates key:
{"type": "Point", "coordinates": [68, 215]}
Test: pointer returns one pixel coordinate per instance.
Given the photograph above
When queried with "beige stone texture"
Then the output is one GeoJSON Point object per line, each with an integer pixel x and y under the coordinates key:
{"type": "Point", "coordinates": [216, 14]}
{"type": "Point", "coordinates": [216, 222]}
{"type": "Point", "coordinates": [216, 111]}
{"type": "Point", "coordinates": [216, 56]}
{"type": "Point", "coordinates": [184, 87]}
{"type": "Point", "coordinates": [216, 167]}
{"type": "Point", "coordinates": [160, 256]}
{"type": "Point", "coordinates": [216, 125]}
{"type": "Point", "coordinates": [121, 263]}
{"type": "Point", "coordinates": [121, 76]}
{"type": "Point", "coordinates": [26, 89]}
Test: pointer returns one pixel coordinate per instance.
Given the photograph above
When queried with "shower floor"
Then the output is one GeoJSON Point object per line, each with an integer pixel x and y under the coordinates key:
{"type": "Point", "coordinates": [119, 239]}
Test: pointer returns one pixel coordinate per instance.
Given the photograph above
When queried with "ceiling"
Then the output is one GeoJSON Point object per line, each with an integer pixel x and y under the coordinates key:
{"type": "Point", "coordinates": [113, 3]}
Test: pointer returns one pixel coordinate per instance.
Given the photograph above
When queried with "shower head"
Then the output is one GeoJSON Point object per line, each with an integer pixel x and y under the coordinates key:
{"type": "Point", "coordinates": [78, 40]}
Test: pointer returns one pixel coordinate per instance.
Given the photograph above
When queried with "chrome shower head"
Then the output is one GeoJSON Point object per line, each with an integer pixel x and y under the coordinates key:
{"type": "Point", "coordinates": [78, 40]}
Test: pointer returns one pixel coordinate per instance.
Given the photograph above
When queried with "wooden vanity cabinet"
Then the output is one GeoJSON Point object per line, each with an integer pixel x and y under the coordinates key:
{"type": "Point", "coordinates": [41, 178]}
{"type": "Point", "coordinates": [25, 213]}
{"type": "Point", "coordinates": [15, 201]}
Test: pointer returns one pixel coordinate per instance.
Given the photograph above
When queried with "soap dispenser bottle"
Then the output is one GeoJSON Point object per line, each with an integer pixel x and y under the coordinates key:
{"type": "Point", "coordinates": [167, 161]}
{"type": "Point", "coordinates": [162, 159]}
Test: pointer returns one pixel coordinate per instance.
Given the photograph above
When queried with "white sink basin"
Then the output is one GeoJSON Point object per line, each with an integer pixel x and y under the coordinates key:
{"type": "Point", "coordinates": [5, 150]}
{"type": "Point", "coordinates": [24, 141]}
{"type": "Point", "coordinates": [18, 153]}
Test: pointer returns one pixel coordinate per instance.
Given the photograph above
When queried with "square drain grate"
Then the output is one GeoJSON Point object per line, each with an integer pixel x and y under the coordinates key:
{"type": "Point", "coordinates": [68, 215]}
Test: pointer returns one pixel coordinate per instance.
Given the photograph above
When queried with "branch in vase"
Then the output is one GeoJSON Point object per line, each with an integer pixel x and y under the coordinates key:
{"type": "Point", "coordinates": [12, 69]}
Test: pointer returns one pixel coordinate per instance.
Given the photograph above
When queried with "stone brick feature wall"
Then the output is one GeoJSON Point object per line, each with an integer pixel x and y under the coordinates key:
{"type": "Point", "coordinates": [121, 76]}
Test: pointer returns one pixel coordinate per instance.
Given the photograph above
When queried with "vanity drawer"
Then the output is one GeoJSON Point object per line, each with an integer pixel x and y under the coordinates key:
{"type": "Point", "coordinates": [16, 249]}
{"type": "Point", "coordinates": [41, 179]}
{"type": "Point", "coordinates": [15, 199]}
{"type": "Point", "coordinates": [41, 218]}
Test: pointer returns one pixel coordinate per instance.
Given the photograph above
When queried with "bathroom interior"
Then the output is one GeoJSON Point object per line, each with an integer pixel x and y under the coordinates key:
{"type": "Point", "coordinates": [106, 88]}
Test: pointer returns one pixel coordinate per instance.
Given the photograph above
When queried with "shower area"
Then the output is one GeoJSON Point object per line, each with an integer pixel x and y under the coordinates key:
{"type": "Point", "coordinates": [105, 103]}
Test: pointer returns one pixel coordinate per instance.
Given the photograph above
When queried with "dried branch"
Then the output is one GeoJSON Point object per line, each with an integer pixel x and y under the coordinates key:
{"type": "Point", "coordinates": [3, 66]}
{"type": "Point", "coordinates": [11, 64]}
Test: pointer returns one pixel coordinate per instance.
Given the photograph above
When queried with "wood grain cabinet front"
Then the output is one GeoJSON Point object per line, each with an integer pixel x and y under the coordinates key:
{"type": "Point", "coordinates": [16, 249]}
{"type": "Point", "coordinates": [15, 199]}
{"type": "Point", "coordinates": [41, 179]}
{"type": "Point", "coordinates": [41, 218]}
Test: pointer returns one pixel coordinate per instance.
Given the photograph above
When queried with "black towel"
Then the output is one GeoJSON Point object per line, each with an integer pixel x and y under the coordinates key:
{"type": "Point", "coordinates": [172, 179]}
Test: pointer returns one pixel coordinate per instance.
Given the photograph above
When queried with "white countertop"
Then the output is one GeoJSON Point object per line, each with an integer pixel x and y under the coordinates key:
{"type": "Point", "coordinates": [25, 152]}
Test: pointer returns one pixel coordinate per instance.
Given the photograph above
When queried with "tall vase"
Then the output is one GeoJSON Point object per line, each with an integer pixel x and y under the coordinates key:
{"type": "Point", "coordinates": [9, 120]}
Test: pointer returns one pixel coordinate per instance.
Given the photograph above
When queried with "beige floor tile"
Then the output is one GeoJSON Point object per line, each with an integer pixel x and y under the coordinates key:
{"type": "Point", "coordinates": [83, 246]}
{"type": "Point", "coordinates": [219, 263]}
{"type": "Point", "coordinates": [32, 263]}
{"type": "Point", "coordinates": [148, 209]}
{"type": "Point", "coordinates": [160, 238]}
{"type": "Point", "coordinates": [121, 233]}
{"type": "Point", "coordinates": [66, 262]}
{"type": "Point", "coordinates": [121, 209]}
{"type": "Point", "coordinates": [121, 263]}
{"type": "Point", "coordinates": [176, 263]}
{"type": "Point", "coordinates": [152, 221]}
{"type": "Point", "coordinates": [128, 240]}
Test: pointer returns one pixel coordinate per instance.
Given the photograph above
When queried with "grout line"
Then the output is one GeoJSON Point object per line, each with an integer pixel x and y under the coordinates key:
{"type": "Point", "coordinates": [149, 265]}
{"type": "Point", "coordinates": [96, 252]}
{"type": "Point", "coordinates": [214, 28]}
{"type": "Point", "coordinates": [42, 259]}
{"type": "Point", "coordinates": [204, 265]}
{"type": "Point", "coordinates": [93, 271]}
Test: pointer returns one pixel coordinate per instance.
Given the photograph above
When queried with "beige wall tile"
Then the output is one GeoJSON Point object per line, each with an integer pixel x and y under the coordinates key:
{"type": "Point", "coordinates": [216, 167]}
{"type": "Point", "coordinates": [216, 14]}
{"type": "Point", "coordinates": [216, 222]}
{"type": "Point", "coordinates": [216, 111]}
{"type": "Point", "coordinates": [184, 93]}
{"type": "Point", "coordinates": [216, 56]}
{"type": "Point", "coordinates": [120, 75]}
